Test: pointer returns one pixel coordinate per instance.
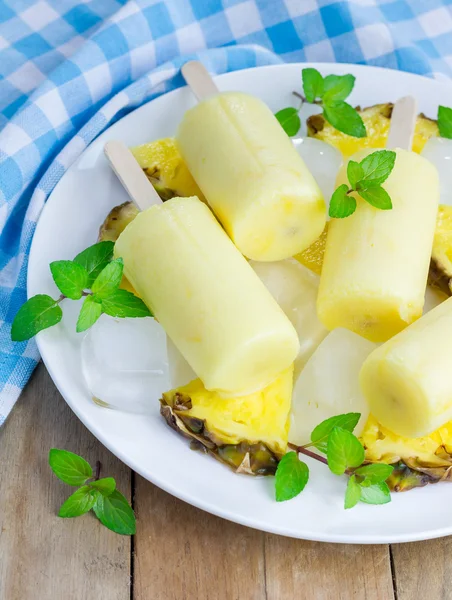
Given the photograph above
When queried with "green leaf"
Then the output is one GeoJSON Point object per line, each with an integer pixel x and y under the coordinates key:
{"type": "Point", "coordinates": [375, 472]}
{"type": "Point", "coordinates": [341, 204]}
{"type": "Point", "coordinates": [95, 258]}
{"type": "Point", "coordinates": [38, 313]}
{"type": "Point", "coordinates": [289, 120]}
{"type": "Point", "coordinates": [69, 467]}
{"type": "Point", "coordinates": [89, 313]}
{"type": "Point", "coordinates": [291, 477]}
{"type": "Point", "coordinates": [345, 118]}
{"type": "Point", "coordinates": [376, 168]}
{"type": "Point", "coordinates": [116, 513]}
{"type": "Point", "coordinates": [354, 173]}
{"type": "Point", "coordinates": [319, 435]}
{"type": "Point", "coordinates": [312, 84]}
{"type": "Point", "coordinates": [79, 503]}
{"type": "Point", "coordinates": [105, 486]}
{"type": "Point", "coordinates": [445, 122]}
{"type": "Point", "coordinates": [108, 279]}
{"type": "Point", "coordinates": [125, 304]}
{"type": "Point", "coordinates": [353, 493]}
{"type": "Point", "coordinates": [337, 88]}
{"type": "Point", "coordinates": [376, 196]}
{"type": "Point", "coordinates": [344, 450]}
{"type": "Point", "coordinates": [376, 494]}
{"type": "Point", "coordinates": [70, 277]}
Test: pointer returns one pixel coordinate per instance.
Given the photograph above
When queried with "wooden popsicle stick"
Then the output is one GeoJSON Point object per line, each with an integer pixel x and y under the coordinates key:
{"type": "Point", "coordinates": [403, 122]}
{"type": "Point", "coordinates": [199, 80]}
{"type": "Point", "coordinates": [130, 174]}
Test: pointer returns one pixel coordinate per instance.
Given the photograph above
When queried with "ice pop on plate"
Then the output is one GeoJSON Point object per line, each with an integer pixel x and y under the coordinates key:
{"type": "Point", "coordinates": [254, 180]}
{"type": "Point", "coordinates": [376, 261]}
{"type": "Point", "coordinates": [206, 296]}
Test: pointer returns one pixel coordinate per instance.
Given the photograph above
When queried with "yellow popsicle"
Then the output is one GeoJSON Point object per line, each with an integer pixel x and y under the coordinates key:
{"type": "Point", "coordinates": [211, 304]}
{"type": "Point", "coordinates": [407, 381]}
{"type": "Point", "coordinates": [376, 261]}
{"type": "Point", "coordinates": [253, 178]}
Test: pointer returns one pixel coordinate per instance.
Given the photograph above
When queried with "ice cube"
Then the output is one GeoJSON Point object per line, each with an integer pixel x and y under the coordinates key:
{"type": "Point", "coordinates": [179, 370]}
{"type": "Point", "coordinates": [439, 152]}
{"type": "Point", "coordinates": [295, 289]}
{"type": "Point", "coordinates": [125, 363]}
{"type": "Point", "coordinates": [329, 384]}
{"type": "Point", "coordinates": [323, 161]}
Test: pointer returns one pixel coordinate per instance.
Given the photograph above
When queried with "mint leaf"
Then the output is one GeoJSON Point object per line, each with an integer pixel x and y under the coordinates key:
{"type": "Point", "coordinates": [337, 88]}
{"type": "Point", "coordinates": [353, 493]}
{"type": "Point", "coordinates": [376, 494]}
{"type": "Point", "coordinates": [289, 120]}
{"type": "Point", "coordinates": [344, 118]}
{"type": "Point", "coordinates": [115, 513]}
{"type": "Point", "coordinates": [445, 122]}
{"type": "Point", "coordinates": [376, 168]}
{"type": "Point", "coordinates": [375, 472]}
{"type": "Point", "coordinates": [94, 259]}
{"type": "Point", "coordinates": [108, 279]}
{"type": "Point", "coordinates": [79, 503]}
{"type": "Point", "coordinates": [125, 304]}
{"type": "Point", "coordinates": [105, 486]}
{"type": "Point", "coordinates": [69, 467]}
{"type": "Point", "coordinates": [344, 450]}
{"type": "Point", "coordinates": [291, 477]}
{"type": "Point", "coordinates": [354, 173]}
{"type": "Point", "coordinates": [70, 277]}
{"type": "Point", "coordinates": [319, 435]}
{"type": "Point", "coordinates": [376, 196]}
{"type": "Point", "coordinates": [38, 313]}
{"type": "Point", "coordinates": [312, 84]}
{"type": "Point", "coordinates": [341, 204]}
{"type": "Point", "coordinates": [89, 313]}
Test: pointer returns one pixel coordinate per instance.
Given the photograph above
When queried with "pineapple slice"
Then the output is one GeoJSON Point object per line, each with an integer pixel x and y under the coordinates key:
{"type": "Point", "coordinates": [417, 461]}
{"type": "Point", "coordinates": [248, 433]}
{"type": "Point", "coordinates": [441, 265]}
{"type": "Point", "coordinates": [312, 257]}
{"type": "Point", "coordinates": [166, 169]}
{"type": "Point", "coordinates": [377, 120]}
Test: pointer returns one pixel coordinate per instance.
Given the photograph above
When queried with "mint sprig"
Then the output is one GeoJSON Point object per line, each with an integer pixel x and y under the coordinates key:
{"type": "Point", "coordinates": [365, 178]}
{"type": "Point", "coordinates": [330, 93]}
{"type": "Point", "coordinates": [92, 274]}
{"type": "Point", "coordinates": [445, 122]}
{"type": "Point", "coordinates": [344, 455]}
{"type": "Point", "coordinates": [100, 495]}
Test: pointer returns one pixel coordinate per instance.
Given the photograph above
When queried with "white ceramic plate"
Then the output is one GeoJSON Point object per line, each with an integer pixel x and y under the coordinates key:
{"type": "Point", "coordinates": [70, 223]}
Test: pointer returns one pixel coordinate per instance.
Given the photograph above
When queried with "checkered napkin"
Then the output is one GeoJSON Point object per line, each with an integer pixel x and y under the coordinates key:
{"type": "Point", "coordinates": [70, 68]}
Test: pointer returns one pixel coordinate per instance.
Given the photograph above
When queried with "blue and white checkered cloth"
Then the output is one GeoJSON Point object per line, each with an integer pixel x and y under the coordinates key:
{"type": "Point", "coordinates": [70, 68]}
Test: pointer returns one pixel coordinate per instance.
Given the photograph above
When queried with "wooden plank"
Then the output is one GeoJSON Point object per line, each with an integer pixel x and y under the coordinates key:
{"type": "Point", "coordinates": [423, 570]}
{"type": "Point", "coordinates": [308, 570]}
{"type": "Point", "coordinates": [41, 555]}
{"type": "Point", "coordinates": [183, 553]}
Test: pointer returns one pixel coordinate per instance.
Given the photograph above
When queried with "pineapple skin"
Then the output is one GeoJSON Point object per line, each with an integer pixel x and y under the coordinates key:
{"type": "Point", "coordinates": [254, 422]}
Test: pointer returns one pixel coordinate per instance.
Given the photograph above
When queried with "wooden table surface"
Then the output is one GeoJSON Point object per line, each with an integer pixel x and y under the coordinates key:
{"type": "Point", "coordinates": [179, 552]}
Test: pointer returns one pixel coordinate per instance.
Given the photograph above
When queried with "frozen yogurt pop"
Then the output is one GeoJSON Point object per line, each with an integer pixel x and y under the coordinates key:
{"type": "Point", "coordinates": [206, 296]}
{"type": "Point", "coordinates": [253, 178]}
{"type": "Point", "coordinates": [376, 261]}
{"type": "Point", "coordinates": [407, 382]}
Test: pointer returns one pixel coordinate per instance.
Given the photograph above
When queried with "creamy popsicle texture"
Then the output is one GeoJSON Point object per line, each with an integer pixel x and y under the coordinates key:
{"type": "Point", "coordinates": [253, 178]}
{"type": "Point", "coordinates": [407, 381]}
{"type": "Point", "coordinates": [202, 291]}
{"type": "Point", "coordinates": [376, 261]}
